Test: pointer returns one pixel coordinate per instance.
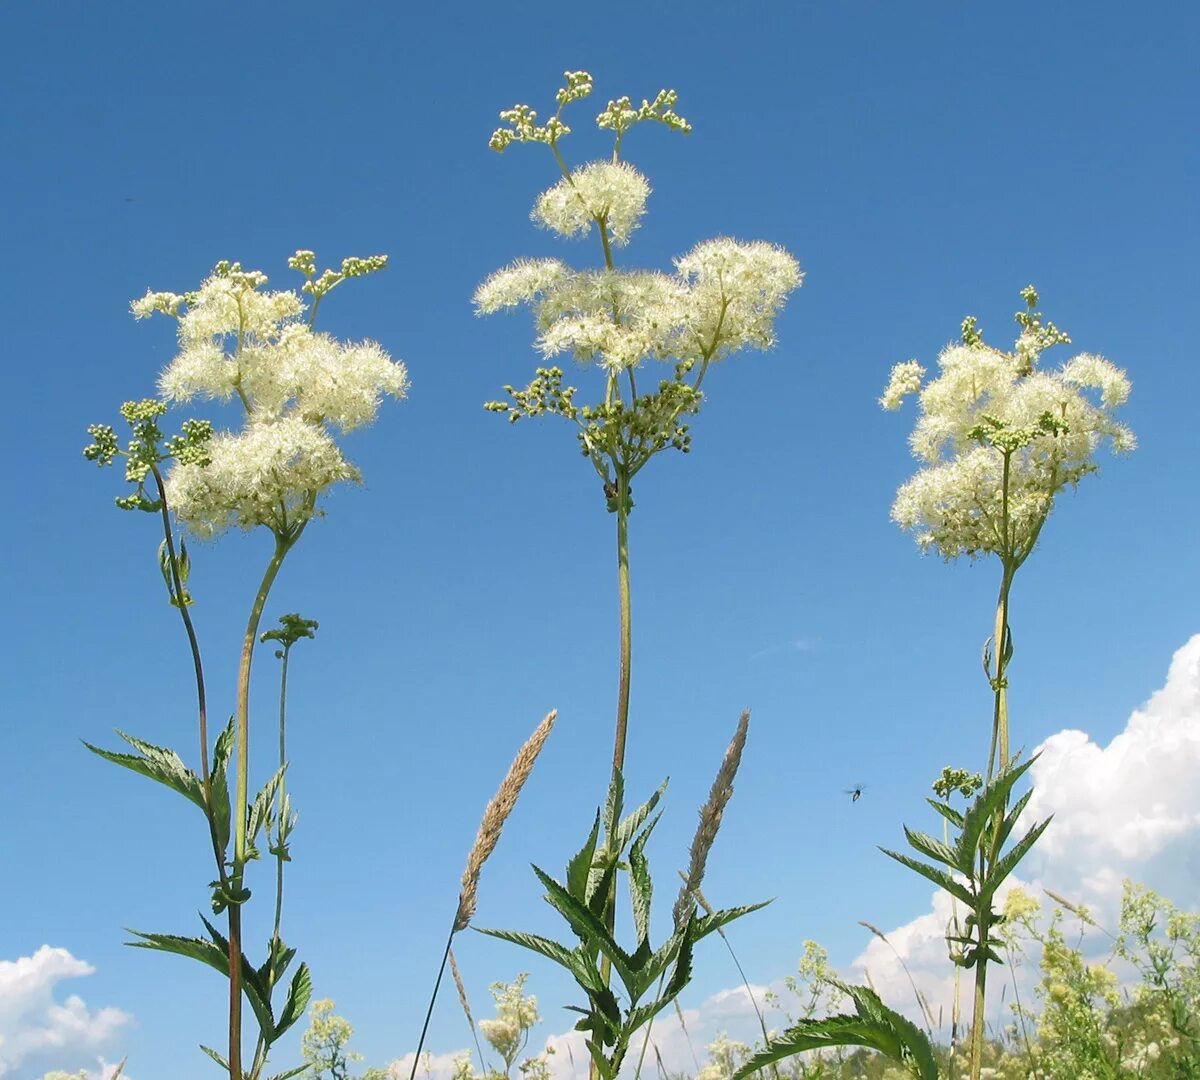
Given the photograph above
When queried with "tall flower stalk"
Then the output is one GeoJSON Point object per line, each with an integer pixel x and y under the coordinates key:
{"type": "Point", "coordinates": [1001, 438]}
{"type": "Point", "coordinates": [296, 388]}
{"type": "Point", "coordinates": [722, 297]}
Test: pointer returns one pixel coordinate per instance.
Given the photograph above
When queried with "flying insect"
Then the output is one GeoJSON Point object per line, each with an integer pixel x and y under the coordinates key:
{"type": "Point", "coordinates": [855, 793]}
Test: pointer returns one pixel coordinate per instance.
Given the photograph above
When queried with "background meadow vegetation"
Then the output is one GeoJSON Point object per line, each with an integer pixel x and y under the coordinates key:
{"type": "Point", "coordinates": [921, 166]}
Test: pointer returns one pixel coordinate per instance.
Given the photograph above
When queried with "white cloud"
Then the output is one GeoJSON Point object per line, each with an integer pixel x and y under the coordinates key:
{"type": "Point", "coordinates": [1119, 806]}
{"type": "Point", "coordinates": [36, 1029]}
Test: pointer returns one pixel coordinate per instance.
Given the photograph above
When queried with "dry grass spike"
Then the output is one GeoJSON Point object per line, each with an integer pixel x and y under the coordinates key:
{"type": "Point", "coordinates": [710, 820]}
{"type": "Point", "coordinates": [494, 818]}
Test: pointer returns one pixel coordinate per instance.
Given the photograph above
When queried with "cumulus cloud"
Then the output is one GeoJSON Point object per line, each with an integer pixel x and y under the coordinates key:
{"type": "Point", "coordinates": [1130, 809]}
{"type": "Point", "coordinates": [39, 1031]}
{"type": "Point", "coordinates": [1119, 807]}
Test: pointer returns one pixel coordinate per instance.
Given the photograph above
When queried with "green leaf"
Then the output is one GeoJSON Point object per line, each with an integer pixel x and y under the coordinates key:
{"type": "Point", "coordinates": [931, 848]}
{"type": "Point", "coordinates": [1005, 865]}
{"type": "Point", "coordinates": [938, 877]}
{"type": "Point", "coordinates": [948, 812]}
{"type": "Point", "coordinates": [291, 1072]}
{"type": "Point", "coordinates": [157, 763]}
{"type": "Point", "coordinates": [1010, 820]}
{"type": "Point", "coordinates": [631, 824]}
{"type": "Point", "coordinates": [261, 807]}
{"type": "Point", "coordinates": [219, 783]}
{"type": "Point", "coordinates": [568, 958]}
{"type": "Point", "coordinates": [218, 1058]}
{"type": "Point", "coordinates": [613, 805]}
{"type": "Point", "coordinates": [874, 1026]}
{"type": "Point", "coordinates": [586, 925]}
{"type": "Point", "coordinates": [641, 888]}
{"type": "Point", "coordinates": [986, 806]}
{"type": "Point", "coordinates": [681, 973]}
{"type": "Point", "coordinates": [253, 987]}
{"type": "Point", "coordinates": [207, 952]}
{"type": "Point", "coordinates": [580, 866]}
{"type": "Point", "coordinates": [298, 997]}
{"type": "Point", "coordinates": [703, 925]}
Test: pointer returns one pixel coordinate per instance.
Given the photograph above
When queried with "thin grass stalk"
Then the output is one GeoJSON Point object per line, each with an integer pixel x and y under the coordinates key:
{"type": "Point", "coordinates": [686, 1035]}
{"type": "Point", "coordinates": [466, 1008]}
{"type": "Point", "coordinates": [922, 1004]}
{"type": "Point", "coordinates": [762, 1023]}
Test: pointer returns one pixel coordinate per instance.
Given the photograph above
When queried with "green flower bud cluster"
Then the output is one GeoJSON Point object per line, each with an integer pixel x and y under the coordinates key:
{"type": "Point", "coordinates": [147, 448]}
{"type": "Point", "coordinates": [306, 263]}
{"type": "Point", "coordinates": [620, 115]}
{"type": "Point", "coordinates": [545, 394]}
{"type": "Point", "coordinates": [1008, 439]}
{"type": "Point", "coordinates": [291, 629]}
{"type": "Point", "coordinates": [960, 780]}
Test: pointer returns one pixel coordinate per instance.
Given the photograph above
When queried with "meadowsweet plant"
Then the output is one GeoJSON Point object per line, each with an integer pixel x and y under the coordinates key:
{"type": "Point", "coordinates": [297, 390]}
{"type": "Point", "coordinates": [1001, 436]}
{"type": "Point", "coordinates": [722, 297]}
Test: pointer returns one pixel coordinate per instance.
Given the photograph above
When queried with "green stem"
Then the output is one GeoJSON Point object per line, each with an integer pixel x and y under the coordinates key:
{"type": "Point", "coordinates": [283, 544]}
{"type": "Point", "coordinates": [176, 578]}
{"type": "Point", "coordinates": [626, 634]}
{"type": "Point", "coordinates": [260, 1051]}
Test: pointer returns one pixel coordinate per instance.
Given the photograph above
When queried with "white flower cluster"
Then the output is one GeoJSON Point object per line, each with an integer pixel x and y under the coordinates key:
{"type": "Point", "coordinates": [987, 408]}
{"type": "Point", "coordinates": [611, 193]}
{"type": "Point", "coordinates": [724, 297]}
{"type": "Point", "coordinates": [295, 384]}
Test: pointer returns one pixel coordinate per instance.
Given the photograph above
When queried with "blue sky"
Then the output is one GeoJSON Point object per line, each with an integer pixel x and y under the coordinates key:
{"type": "Point", "coordinates": [922, 162]}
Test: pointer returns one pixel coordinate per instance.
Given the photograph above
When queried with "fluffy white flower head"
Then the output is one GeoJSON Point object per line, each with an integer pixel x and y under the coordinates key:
{"type": "Point", "coordinates": [295, 384]}
{"type": "Point", "coordinates": [614, 193]}
{"type": "Point", "coordinates": [269, 474]}
{"type": "Point", "coordinates": [735, 292]}
{"type": "Point", "coordinates": [1002, 438]}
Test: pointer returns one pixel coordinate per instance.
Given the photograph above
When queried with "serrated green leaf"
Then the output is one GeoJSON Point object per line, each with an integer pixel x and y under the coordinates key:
{"type": "Point", "coordinates": [255, 988]}
{"type": "Point", "coordinates": [948, 812]}
{"type": "Point", "coordinates": [703, 925]}
{"type": "Point", "coordinates": [580, 866]}
{"type": "Point", "coordinates": [937, 876]}
{"type": "Point", "coordinates": [261, 807]}
{"type": "Point", "coordinates": [1010, 819]}
{"type": "Point", "coordinates": [298, 997]}
{"type": "Point", "coordinates": [207, 952]}
{"type": "Point", "coordinates": [641, 888]}
{"type": "Point", "coordinates": [933, 848]}
{"type": "Point", "coordinates": [613, 805]}
{"type": "Point", "coordinates": [628, 827]}
{"type": "Point", "coordinates": [218, 1058]}
{"type": "Point", "coordinates": [1007, 863]}
{"type": "Point", "coordinates": [570, 959]}
{"type": "Point", "coordinates": [219, 785]}
{"type": "Point", "coordinates": [986, 806]}
{"type": "Point", "coordinates": [586, 926]}
{"type": "Point", "coordinates": [158, 763]}
{"type": "Point", "coordinates": [291, 1072]}
{"type": "Point", "coordinates": [874, 1026]}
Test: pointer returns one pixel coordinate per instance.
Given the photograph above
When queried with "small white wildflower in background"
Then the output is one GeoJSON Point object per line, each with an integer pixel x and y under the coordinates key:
{"type": "Point", "coordinates": [1002, 438]}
